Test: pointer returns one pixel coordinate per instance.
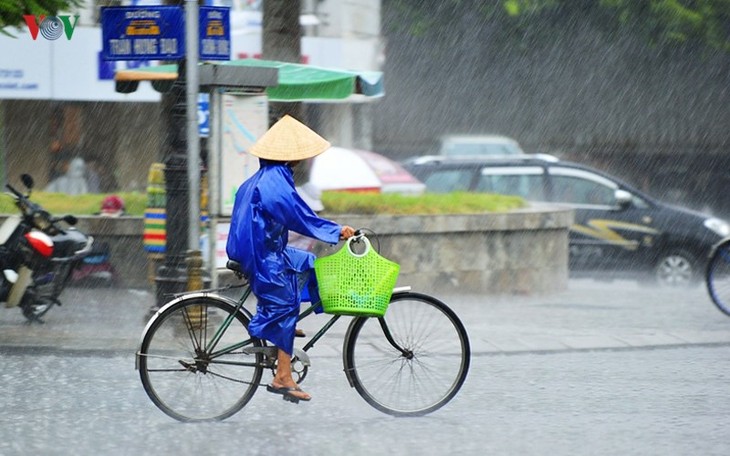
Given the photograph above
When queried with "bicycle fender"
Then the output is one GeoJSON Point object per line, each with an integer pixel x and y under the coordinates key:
{"type": "Point", "coordinates": [194, 295]}
{"type": "Point", "coordinates": [717, 246]}
{"type": "Point", "coordinates": [397, 291]}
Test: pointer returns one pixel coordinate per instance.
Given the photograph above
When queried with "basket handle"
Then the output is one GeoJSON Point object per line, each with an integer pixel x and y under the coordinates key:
{"type": "Point", "coordinates": [363, 239]}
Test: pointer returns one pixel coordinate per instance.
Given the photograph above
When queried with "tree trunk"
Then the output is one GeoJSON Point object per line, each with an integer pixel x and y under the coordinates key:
{"type": "Point", "coordinates": [282, 41]}
{"type": "Point", "coordinates": [282, 37]}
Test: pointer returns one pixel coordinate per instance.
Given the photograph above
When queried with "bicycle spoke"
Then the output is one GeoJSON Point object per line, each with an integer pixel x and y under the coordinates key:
{"type": "Point", "coordinates": [191, 330]}
{"type": "Point", "coordinates": [173, 358]}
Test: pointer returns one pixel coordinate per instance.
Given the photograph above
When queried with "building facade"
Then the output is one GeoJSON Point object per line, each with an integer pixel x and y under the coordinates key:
{"type": "Point", "coordinates": [58, 99]}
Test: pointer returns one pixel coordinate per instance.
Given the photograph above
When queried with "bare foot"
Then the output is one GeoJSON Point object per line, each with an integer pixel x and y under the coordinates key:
{"type": "Point", "coordinates": [290, 388]}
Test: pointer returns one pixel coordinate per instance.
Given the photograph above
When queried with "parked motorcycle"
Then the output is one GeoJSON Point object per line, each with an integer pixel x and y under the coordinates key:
{"type": "Point", "coordinates": [37, 255]}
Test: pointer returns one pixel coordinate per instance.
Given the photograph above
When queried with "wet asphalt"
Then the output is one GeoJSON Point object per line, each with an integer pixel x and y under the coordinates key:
{"type": "Point", "coordinates": [588, 315]}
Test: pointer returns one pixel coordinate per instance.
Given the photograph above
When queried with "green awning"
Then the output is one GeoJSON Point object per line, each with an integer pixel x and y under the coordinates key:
{"type": "Point", "coordinates": [296, 82]}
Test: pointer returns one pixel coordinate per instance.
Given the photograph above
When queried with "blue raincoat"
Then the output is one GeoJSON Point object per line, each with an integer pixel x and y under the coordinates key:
{"type": "Point", "coordinates": [267, 206]}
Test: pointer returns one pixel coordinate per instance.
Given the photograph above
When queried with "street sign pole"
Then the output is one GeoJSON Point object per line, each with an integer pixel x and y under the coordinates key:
{"type": "Point", "coordinates": [214, 186]}
{"type": "Point", "coordinates": [193, 140]}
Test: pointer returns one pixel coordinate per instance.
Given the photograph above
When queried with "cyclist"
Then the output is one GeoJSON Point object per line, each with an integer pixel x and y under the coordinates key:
{"type": "Point", "coordinates": [266, 207]}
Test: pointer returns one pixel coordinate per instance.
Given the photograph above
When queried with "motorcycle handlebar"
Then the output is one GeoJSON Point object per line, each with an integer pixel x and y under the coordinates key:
{"type": "Point", "coordinates": [14, 191]}
{"type": "Point", "coordinates": [31, 210]}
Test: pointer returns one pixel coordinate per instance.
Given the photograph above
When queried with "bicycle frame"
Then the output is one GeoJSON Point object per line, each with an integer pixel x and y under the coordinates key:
{"type": "Point", "coordinates": [268, 350]}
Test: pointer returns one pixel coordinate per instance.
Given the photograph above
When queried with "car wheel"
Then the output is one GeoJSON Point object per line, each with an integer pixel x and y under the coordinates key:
{"type": "Point", "coordinates": [676, 269]}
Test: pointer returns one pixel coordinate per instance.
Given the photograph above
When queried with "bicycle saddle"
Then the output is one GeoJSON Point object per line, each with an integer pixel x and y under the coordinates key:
{"type": "Point", "coordinates": [235, 266]}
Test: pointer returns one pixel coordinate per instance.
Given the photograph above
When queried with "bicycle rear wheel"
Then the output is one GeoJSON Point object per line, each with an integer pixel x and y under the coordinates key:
{"type": "Point", "coordinates": [410, 362]}
{"type": "Point", "coordinates": [717, 277]}
{"type": "Point", "coordinates": [187, 377]}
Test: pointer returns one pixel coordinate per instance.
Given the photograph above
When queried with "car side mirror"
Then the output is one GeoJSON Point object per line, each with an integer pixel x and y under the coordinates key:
{"type": "Point", "coordinates": [623, 198]}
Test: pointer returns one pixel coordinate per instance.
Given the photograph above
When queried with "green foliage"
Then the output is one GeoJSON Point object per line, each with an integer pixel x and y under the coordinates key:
{"type": "Point", "coordinates": [427, 204]}
{"type": "Point", "coordinates": [661, 22]}
{"type": "Point", "coordinates": [12, 11]}
{"type": "Point", "coordinates": [515, 8]}
{"type": "Point", "coordinates": [677, 21]}
{"type": "Point", "coordinates": [89, 204]}
{"type": "Point", "coordinates": [334, 202]}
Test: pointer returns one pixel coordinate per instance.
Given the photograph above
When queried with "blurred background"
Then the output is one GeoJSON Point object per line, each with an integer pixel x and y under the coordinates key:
{"type": "Point", "coordinates": [635, 88]}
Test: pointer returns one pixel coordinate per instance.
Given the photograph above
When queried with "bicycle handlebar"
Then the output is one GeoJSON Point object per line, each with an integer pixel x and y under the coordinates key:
{"type": "Point", "coordinates": [360, 235]}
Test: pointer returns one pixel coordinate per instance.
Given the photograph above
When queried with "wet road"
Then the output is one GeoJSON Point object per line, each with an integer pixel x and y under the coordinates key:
{"type": "Point", "coordinates": [601, 369]}
{"type": "Point", "coordinates": [643, 402]}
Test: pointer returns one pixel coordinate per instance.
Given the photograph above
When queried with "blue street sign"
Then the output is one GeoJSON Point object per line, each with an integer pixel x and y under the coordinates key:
{"type": "Point", "coordinates": [143, 33]}
{"type": "Point", "coordinates": [215, 33]}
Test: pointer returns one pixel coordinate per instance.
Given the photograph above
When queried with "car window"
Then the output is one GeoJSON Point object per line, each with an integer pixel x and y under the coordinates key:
{"type": "Point", "coordinates": [575, 186]}
{"type": "Point", "coordinates": [639, 202]}
{"type": "Point", "coordinates": [465, 149]}
{"type": "Point", "coordinates": [524, 181]}
{"type": "Point", "coordinates": [448, 180]}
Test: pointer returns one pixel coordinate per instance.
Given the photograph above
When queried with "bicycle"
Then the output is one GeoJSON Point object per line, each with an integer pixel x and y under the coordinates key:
{"type": "Point", "coordinates": [717, 275]}
{"type": "Point", "coordinates": [197, 361]}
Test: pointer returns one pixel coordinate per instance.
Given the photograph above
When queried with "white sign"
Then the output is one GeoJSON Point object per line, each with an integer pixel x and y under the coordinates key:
{"type": "Point", "coordinates": [245, 119]}
{"type": "Point", "coordinates": [221, 238]}
{"type": "Point", "coordinates": [25, 70]}
{"type": "Point", "coordinates": [62, 69]}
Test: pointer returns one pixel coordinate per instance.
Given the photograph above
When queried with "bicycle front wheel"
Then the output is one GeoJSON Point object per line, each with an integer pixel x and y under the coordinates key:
{"type": "Point", "coordinates": [718, 277]}
{"type": "Point", "coordinates": [196, 362]}
{"type": "Point", "coordinates": [410, 362]}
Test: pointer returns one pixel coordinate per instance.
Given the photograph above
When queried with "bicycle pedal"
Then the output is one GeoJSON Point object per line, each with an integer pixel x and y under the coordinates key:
{"type": "Point", "coordinates": [290, 398]}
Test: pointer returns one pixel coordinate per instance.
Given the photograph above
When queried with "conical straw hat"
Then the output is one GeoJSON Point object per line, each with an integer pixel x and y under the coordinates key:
{"type": "Point", "coordinates": [289, 140]}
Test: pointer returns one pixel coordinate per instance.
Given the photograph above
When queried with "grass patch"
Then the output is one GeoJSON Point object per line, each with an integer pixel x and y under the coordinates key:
{"type": "Point", "coordinates": [427, 204]}
{"type": "Point", "coordinates": [88, 204]}
{"type": "Point", "coordinates": [334, 202]}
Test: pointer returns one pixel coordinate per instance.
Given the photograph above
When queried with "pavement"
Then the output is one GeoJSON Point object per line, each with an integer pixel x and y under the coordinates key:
{"type": "Point", "coordinates": [589, 315]}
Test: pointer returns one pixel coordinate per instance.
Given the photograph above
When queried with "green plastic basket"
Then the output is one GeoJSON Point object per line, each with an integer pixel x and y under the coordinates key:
{"type": "Point", "coordinates": [356, 284]}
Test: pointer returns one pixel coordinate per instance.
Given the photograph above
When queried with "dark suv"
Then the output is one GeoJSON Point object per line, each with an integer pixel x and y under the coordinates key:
{"type": "Point", "coordinates": [618, 230]}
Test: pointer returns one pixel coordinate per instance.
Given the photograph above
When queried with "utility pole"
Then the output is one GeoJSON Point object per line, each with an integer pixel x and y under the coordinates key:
{"type": "Point", "coordinates": [172, 276]}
